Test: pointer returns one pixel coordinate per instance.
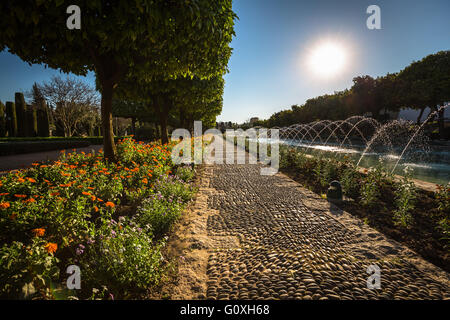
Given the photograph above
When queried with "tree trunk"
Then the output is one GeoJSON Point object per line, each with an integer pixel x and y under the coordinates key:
{"type": "Point", "coordinates": [107, 125]}
{"type": "Point", "coordinates": [133, 126]}
{"type": "Point", "coordinates": [420, 115]}
{"type": "Point", "coordinates": [162, 110]}
{"type": "Point", "coordinates": [163, 123]}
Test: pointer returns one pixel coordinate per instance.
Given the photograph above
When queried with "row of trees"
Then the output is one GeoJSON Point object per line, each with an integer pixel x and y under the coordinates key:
{"type": "Point", "coordinates": [422, 84]}
{"type": "Point", "coordinates": [60, 107]}
{"type": "Point", "coordinates": [139, 51]}
{"type": "Point", "coordinates": [18, 119]}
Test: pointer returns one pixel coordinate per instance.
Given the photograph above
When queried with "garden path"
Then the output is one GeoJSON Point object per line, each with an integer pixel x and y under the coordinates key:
{"type": "Point", "coordinates": [250, 236]}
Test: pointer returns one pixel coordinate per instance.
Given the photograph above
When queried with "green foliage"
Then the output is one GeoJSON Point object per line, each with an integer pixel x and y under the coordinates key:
{"type": "Point", "coordinates": [21, 112]}
{"type": "Point", "coordinates": [70, 206]}
{"type": "Point", "coordinates": [159, 213]}
{"type": "Point", "coordinates": [2, 120]}
{"type": "Point", "coordinates": [423, 83]}
{"type": "Point", "coordinates": [11, 119]}
{"type": "Point", "coordinates": [351, 181]}
{"type": "Point", "coordinates": [185, 173]}
{"type": "Point", "coordinates": [326, 171]}
{"type": "Point", "coordinates": [27, 271]}
{"type": "Point", "coordinates": [443, 197]}
{"type": "Point", "coordinates": [172, 186]}
{"type": "Point", "coordinates": [31, 123]}
{"type": "Point", "coordinates": [444, 228]}
{"type": "Point", "coordinates": [405, 197]}
{"type": "Point", "coordinates": [121, 258]}
{"type": "Point", "coordinates": [43, 120]}
{"type": "Point", "coordinates": [150, 40]}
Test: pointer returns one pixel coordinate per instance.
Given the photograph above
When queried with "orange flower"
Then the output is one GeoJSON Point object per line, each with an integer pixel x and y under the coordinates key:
{"type": "Point", "coordinates": [20, 196]}
{"type": "Point", "coordinates": [86, 193]}
{"type": "Point", "coordinates": [21, 180]}
{"type": "Point", "coordinates": [4, 194]}
{"type": "Point", "coordinates": [4, 205]}
{"type": "Point", "coordinates": [145, 180]}
{"type": "Point", "coordinates": [54, 194]}
{"type": "Point", "coordinates": [110, 204]}
{"type": "Point", "coordinates": [31, 180]}
{"type": "Point", "coordinates": [35, 164]}
{"type": "Point", "coordinates": [93, 198]}
{"type": "Point", "coordinates": [29, 200]}
{"type": "Point", "coordinates": [38, 232]}
{"type": "Point", "coordinates": [44, 166]}
{"type": "Point", "coordinates": [99, 199]}
{"type": "Point", "coordinates": [51, 247]}
{"type": "Point", "coordinates": [96, 208]}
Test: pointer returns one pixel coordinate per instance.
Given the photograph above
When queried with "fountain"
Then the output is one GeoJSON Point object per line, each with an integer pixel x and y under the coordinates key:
{"type": "Point", "coordinates": [396, 143]}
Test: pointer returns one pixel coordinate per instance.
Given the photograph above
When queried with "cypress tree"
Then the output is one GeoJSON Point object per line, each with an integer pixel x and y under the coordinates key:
{"type": "Point", "coordinates": [21, 113]}
{"type": "Point", "coordinates": [31, 123]}
{"type": "Point", "coordinates": [11, 119]}
{"type": "Point", "coordinates": [2, 120]}
{"type": "Point", "coordinates": [43, 120]}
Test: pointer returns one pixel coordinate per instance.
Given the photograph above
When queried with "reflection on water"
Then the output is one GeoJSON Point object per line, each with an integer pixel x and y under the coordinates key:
{"type": "Point", "coordinates": [432, 165]}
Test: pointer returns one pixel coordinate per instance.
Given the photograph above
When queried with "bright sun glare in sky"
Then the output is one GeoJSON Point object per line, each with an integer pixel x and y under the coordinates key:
{"type": "Point", "coordinates": [327, 59]}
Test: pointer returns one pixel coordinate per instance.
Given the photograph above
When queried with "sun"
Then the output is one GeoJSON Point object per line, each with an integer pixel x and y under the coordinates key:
{"type": "Point", "coordinates": [327, 59]}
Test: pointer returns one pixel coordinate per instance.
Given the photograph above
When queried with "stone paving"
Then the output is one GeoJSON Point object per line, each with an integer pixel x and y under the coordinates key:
{"type": "Point", "coordinates": [273, 239]}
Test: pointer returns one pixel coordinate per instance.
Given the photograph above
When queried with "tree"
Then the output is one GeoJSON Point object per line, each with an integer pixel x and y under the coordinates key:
{"type": "Point", "coordinates": [426, 83]}
{"type": "Point", "coordinates": [11, 119]}
{"type": "Point", "coordinates": [131, 109]}
{"type": "Point", "coordinates": [21, 113]}
{"type": "Point", "coordinates": [198, 100]}
{"type": "Point", "coordinates": [74, 102]}
{"type": "Point", "coordinates": [2, 120]}
{"type": "Point", "coordinates": [151, 38]}
{"type": "Point", "coordinates": [35, 95]}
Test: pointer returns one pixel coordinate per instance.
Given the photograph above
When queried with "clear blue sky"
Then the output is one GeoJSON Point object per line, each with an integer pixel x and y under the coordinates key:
{"type": "Point", "coordinates": [274, 38]}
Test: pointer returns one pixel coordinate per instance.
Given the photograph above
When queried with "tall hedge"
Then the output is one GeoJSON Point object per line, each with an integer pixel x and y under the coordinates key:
{"type": "Point", "coordinates": [11, 119]}
{"type": "Point", "coordinates": [43, 123]}
{"type": "Point", "coordinates": [31, 123]}
{"type": "Point", "coordinates": [21, 112]}
{"type": "Point", "coordinates": [2, 120]}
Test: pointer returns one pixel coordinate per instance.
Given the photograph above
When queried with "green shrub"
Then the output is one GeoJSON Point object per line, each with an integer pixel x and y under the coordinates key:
{"type": "Point", "coordinates": [43, 121]}
{"type": "Point", "coordinates": [2, 120]}
{"type": "Point", "coordinates": [351, 182]}
{"type": "Point", "coordinates": [27, 271]}
{"type": "Point", "coordinates": [172, 186]}
{"type": "Point", "coordinates": [21, 111]}
{"type": "Point", "coordinates": [405, 196]}
{"type": "Point", "coordinates": [120, 258]}
{"type": "Point", "coordinates": [185, 173]}
{"type": "Point", "coordinates": [370, 190]}
{"type": "Point", "coordinates": [443, 197]}
{"type": "Point", "coordinates": [158, 213]}
{"type": "Point", "coordinates": [8, 148]}
{"type": "Point", "coordinates": [11, 119]}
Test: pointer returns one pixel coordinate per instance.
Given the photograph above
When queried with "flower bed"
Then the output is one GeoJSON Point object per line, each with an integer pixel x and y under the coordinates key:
{"type": "Point", "coordinates": [110, 219]}
{"type": "Point", "coordinates": [419, 219]}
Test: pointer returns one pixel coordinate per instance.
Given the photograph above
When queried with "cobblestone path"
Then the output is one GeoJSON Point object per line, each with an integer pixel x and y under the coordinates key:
{"type": "Point", "coordinates": [273, 239]}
